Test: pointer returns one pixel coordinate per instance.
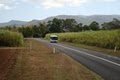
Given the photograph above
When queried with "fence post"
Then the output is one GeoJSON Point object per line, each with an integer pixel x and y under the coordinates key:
{"type": "Point", "coordinates": [30, 46]}
{"type": "Point", "coordinates": [54, 50]}
{"type": "Point", "coordinates": [115, 48]}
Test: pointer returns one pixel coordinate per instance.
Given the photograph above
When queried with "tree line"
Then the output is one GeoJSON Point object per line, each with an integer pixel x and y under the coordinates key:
{"type": "Point", "coordinates": [61, 25]}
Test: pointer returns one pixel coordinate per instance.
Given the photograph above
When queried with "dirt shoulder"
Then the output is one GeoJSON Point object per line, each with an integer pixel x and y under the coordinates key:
{"type": "Point", "coordinates": [42, 64]}
{"type": "Point", "coordinates": [7, 60]}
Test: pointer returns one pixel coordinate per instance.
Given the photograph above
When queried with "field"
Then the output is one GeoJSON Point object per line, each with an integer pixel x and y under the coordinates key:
{"type": "Point", "coordinates": [8, 38]}
{"type": "Point", "coordinates": [104, 39]}
{"type": "Point", "coordinates": [42, 64]}
{"type": "Point", "coordinates": [7, 60]}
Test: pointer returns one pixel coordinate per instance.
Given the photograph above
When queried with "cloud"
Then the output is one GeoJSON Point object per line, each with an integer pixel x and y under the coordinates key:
{"type": "Point", "coordinates": [57, 3]}
{"type": "Point", "coordinates": [8, 7]}
{"type": "Point", "coordinates": [62, 3]}
{"type": "Point", "coordinates": [52, 3]}
{"type": "Point", "coordinates": [6, 1]}
{"type": "Point", "coordinates": [3, 6]}
{"type": "Point", "coordinates": [105, 0]}
{"type": "Point", "coordinates": [17, 3]}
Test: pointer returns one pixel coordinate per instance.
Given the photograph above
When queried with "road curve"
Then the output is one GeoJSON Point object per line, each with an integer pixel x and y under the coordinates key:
{"type": "Point", "coordinates": [108, 67]}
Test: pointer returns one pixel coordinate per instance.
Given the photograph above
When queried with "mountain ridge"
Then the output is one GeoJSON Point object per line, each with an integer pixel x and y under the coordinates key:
{"type": "Point", "coordinates": [86, 20]}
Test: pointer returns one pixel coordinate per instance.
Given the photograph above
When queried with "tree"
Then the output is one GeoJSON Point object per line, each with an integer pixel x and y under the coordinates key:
{"type": "Point", "coordinates": [55, 25]}
{"type": "Point", "coordinates": [43, 29]}
{"type": "Point", "coordinates": [36, 31]}
{"type": "Point", "coordinates": [26, 30]}
{"type": "Point", "coordinates": [86, 27]}
{"type": "Point", "coordinates": [69, 25]}
{"type": "Point", "coordinates": [94, 26]}
{"type": "Point", "coordinates": [79, 27]}
{"type": "Point", "coordinates": [39, 30]}
{"type": "Point", "coordinates": [115, 24]}
{"type": "Point", "coordinates": [10, 28]}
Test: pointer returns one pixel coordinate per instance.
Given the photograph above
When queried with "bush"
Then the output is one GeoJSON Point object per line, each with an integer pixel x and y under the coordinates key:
{"type": "Point", "coordinates": [8, 38]}
{"type": "Point", "coordinates": [105, 39]}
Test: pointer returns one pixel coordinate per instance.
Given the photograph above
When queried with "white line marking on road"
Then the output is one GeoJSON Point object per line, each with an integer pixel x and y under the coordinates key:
{"type": "Point", "coordinates": [90, 55]}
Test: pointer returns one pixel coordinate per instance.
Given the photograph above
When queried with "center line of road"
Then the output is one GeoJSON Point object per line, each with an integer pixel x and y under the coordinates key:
{"type": "Point", "coordinates": [90, 55]}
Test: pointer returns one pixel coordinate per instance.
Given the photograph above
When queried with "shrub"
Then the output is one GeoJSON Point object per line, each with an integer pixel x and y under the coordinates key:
{"type": "Point", "coordinates": [8, 38]}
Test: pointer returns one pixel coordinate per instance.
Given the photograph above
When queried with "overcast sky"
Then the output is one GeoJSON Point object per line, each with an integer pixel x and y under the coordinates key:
{"type": "Point", "coordinates": [27, 10]}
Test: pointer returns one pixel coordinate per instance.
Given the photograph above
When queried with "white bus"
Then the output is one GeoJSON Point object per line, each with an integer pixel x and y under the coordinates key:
{"type": "Point", "coordinates": [53, 38]}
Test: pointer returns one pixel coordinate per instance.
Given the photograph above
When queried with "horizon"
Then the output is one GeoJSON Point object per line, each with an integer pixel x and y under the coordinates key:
{"type": "Point", "coordinates": [27, 10]}
{"type": "Point", "coordinates": [61, 15]}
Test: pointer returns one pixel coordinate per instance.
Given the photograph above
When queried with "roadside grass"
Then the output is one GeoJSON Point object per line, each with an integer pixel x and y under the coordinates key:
{"type": "Point", "coordinates": [94, 48]}
{"type": "Point", "coordinates": [42, 64]}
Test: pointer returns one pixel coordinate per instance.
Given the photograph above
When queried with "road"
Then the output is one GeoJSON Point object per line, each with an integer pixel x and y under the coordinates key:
{"type": "Point", "coordinates": [108, 67]}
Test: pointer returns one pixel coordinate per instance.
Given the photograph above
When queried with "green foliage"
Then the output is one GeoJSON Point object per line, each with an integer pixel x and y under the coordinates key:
{"type": "Point", "coordinates": [8, 38]}
{"type": "Point", "coordinates": [33, 30]}
{"type": "Point", "coordinates": [55, 25]}
{"type": "Point", "coordinates": [69, 25]}
{"type": "Point", "coordinates": [61, 25]}
{"type": "Point", "coordinates": [115, 24]}
{"type": "Point", "coordinates": [10, 28]}
{"type": "Point", "coordinates": [43, 29]}
{"type": "Point", "coordinates": [94, 26]}
{"type": "Point", "coordinates": [26, 30]}
{"type": "Point", "coordinates": [86, 27]}
{"type": "Point", "coordinates": [79, 27]}
{"type": "Point", "coordinates": [105, 39]}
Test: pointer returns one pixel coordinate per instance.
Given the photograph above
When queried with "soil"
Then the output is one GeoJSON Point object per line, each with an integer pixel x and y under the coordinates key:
{"type": "Point", "coordinates": [7, 60]}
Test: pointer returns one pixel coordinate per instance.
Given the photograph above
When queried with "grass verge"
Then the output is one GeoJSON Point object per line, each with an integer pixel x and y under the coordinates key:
{"type": "Point", "coordinates": [42, 64]}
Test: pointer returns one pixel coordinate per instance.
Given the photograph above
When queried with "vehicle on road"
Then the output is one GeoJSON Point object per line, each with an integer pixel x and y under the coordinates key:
{"type": "Point", "coordinates": [53, 39]}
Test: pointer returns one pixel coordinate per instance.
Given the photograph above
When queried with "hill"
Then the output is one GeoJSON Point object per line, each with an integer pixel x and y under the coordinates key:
{"type": "Point", "coordinates": [86, 20]}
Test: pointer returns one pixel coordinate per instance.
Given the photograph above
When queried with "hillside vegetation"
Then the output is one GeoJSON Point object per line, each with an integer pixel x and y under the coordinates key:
{"type": "Point", "coordinates": [8, 38]}
{"type": "Point", "coordinates": [61, 25]}
{"type": "Point", "coordinates": [104, 39]}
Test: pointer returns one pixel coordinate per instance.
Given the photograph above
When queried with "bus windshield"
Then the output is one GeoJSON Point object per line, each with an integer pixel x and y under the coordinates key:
{"type": "Point", "coordinates": [54, 38]}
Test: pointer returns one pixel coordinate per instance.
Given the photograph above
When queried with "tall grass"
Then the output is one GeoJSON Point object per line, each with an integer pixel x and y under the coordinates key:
{"type": "Point", "coordinates": [105, 39]}
{"type": "Point", "coordinates": [8, 38]}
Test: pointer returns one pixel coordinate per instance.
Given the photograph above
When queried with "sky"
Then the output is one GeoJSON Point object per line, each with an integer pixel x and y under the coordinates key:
{"type": "Point", "coordinates": [27, 10]}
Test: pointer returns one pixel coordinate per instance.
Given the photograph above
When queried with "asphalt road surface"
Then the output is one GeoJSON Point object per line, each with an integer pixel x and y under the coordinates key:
{"type": "Point", "coordinates": [108, 67]}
